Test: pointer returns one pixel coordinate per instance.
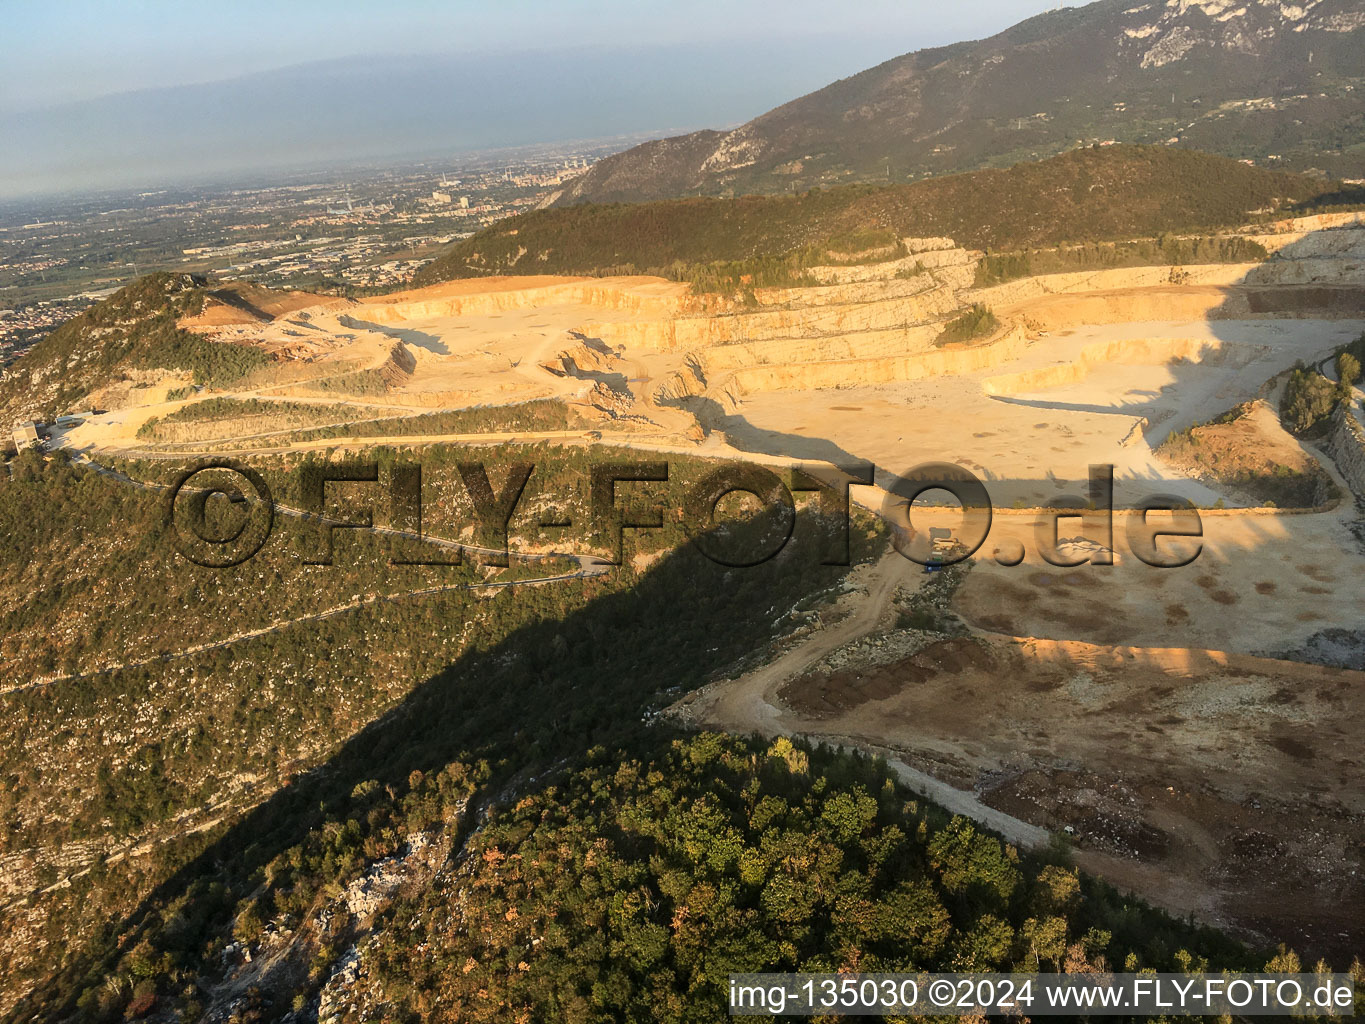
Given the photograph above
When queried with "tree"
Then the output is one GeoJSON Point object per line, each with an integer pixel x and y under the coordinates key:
{"type": "Point", "coordinates": [1309, 398]}
{"type": "Point", "coordinates": [1348, 369]}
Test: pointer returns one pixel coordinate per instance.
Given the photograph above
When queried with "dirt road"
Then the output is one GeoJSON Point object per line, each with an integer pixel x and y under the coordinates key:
{"type": "Point", "coordinates": [750, 704]}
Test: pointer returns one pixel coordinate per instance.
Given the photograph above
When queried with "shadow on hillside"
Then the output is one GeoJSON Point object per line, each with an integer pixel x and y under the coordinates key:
{"type": "Point", "coordinates": [742, 434]}
{"type": "Point", "coordinates": [541, 697]}
{"type": "Point", "coordinates": [1256, 335]}
{"type": "Point", "coordinates": [614, 379]}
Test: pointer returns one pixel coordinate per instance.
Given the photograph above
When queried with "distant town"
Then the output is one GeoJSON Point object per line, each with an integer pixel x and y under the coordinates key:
{"type": "Point", "coordinates": [347, 232]}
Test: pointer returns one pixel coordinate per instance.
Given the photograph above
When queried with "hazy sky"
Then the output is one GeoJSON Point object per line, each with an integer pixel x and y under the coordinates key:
{"type": "Point", "coordinates": [73, 49]}
{"type": "Point", "coordinates": [750, 56]}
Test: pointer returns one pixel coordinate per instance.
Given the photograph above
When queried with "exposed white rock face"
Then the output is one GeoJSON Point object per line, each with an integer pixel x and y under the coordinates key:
{"type": "Point", "coordinates": [738, 149]}
{"type": "Point", "coordinates": [1347, 21]}
{"type": "Point", "coordinates": [1220, 9]}
{"type": "Point", "coordinates": [1171, 47]}
{"type": "Point", "coordinates": [1170, 31]}
{"type": "Point", "coordinates": [1213, 8]}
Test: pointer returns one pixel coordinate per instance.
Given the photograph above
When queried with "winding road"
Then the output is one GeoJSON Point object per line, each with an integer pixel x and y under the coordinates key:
{"type": "Point", "coordinates": [751, 704]}
{"type": "Point", "coordinates": [588, 566]}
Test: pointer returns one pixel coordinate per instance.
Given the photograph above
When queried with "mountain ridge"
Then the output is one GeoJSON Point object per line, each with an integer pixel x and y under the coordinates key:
{"type": "Point", "coordinates": [1247, 80]}
{"type": "Point", "coordinates": [391, 107]}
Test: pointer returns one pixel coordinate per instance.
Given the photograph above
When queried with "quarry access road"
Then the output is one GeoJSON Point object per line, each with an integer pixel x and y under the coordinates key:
{"type": "Point", "coordinates": [750, 704]}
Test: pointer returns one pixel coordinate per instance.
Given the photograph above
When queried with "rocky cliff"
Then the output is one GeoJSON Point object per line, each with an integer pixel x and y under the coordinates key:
{"type": "Point", "coordinates": [1346, 445]}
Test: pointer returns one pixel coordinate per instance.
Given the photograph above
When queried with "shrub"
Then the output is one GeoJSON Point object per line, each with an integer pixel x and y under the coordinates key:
{"type": "Point", "coordinates": [976, 322]}
{"type": "Point", "coordinates": [1149, 252]}
{"type": "Point", "coordinates": [1309, 399]}
{"type": "Point", "coordinates": [1348, 369]}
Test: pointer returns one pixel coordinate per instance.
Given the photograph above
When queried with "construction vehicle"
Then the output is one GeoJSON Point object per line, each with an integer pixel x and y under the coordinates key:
{"type": "Point", "coordinates": [944, 548]}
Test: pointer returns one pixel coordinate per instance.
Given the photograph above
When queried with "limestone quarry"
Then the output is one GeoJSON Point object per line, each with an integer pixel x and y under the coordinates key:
{"type": "Point", "coordinates": [1138, 699]}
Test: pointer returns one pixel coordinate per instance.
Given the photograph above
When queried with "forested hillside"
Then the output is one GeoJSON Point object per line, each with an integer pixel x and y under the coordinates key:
{"type": "Point", "coordinates": [165, 739]}
{"type": "Point", "coordinates": [1091, 195]}
{"type": "Point", "coordinates": [134, 329]}
{"type": "Point", "coordinates": [632, 889]}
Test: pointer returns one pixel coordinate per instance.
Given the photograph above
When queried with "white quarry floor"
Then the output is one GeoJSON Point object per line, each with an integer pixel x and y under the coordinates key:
{"type": "Point", "coordinates": [1031, 446]}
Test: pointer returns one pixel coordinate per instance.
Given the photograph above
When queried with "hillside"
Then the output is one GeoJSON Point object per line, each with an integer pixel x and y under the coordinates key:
{"type": "Point", "coordinates": [131, 334]}
{"type": "Point", "coordinates": [1246, 80]}
{"type": "Point", "coordinates": [295, 818]}
{"type": "Point", "coordinates": [133, 339]}
{"type": "Point", "coordinates": [1110, 193]}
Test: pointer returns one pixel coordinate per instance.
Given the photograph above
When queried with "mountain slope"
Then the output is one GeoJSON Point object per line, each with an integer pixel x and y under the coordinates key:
{"type": "Point", "coordinates": [131, 332]}
{"type": "Point", "coordinates": [1246, 79]}
{"type": "Point", "coordinates": [1107, 194]}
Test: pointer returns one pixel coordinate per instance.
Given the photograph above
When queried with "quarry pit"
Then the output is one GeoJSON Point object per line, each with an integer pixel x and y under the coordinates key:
{"type": "Point", "coordinates": [1163, 721]}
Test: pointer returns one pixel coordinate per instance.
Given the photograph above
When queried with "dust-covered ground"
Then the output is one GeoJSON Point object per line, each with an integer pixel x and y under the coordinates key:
{"type": "Point", "coordinates": [1224, 785]}
{"type": "Point", "coordinates": [1238, 778]}
{"type": "Point", "coordinates": [1260, 583]}
{"type": "Point", "coordinates": [447, 347]}
{"type": "Point", "coordinates": [1030, 427]}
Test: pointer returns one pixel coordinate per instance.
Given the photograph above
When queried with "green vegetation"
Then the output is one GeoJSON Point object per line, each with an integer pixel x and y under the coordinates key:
{"type": "Point", "coordinates": [213, 363]}
{"type": "Point", "coordinates": [766, 856]}
{"type": "Point", "coordinates": [631, 889]}
{"type": "Point", "coordinates": [540, 415]}
{"type": "Point", "coordinates": [1309, 401]}
{"type": "Point", "coordinates": [1071, 76]}
{"type": "Point", "coordinates": [929, 608]}
{"type": "Point", "coordinates": [134, 329]}
{"type": "Point", "coordinates": [1350, 358]}
{"type": "Point", "coordinates": [247, 413]}
{"type": "Point", "coordinates": [740, 277]}
{"type": "Point", "coordinates": [281, 423]}
{"type": "Point", "coordinates": [852, 245]}
{"type": "Point", "coordinates": [364, 383]}
{"type": "Point", "coordinates": [1093, 195]}
{"type": "Point", "coordinates": [217, 408]}
{"type": "Point", "coordinates": [1166, 250]}
{"type": "Point", "coordinates": [1348, 369]}
{"type": "Point", "coordinates": [226, 751]}
{"type": "Point", "coordinates": [973, 323]}
{"type": "Point", "coordinates": [550, 672]}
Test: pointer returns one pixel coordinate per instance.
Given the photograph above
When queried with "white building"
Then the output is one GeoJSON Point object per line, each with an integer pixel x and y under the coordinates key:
{"type": "Point", "coordinates": [25, 435]}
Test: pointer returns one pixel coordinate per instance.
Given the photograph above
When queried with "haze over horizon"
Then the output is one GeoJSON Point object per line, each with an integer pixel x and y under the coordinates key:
{"type": "Point", "coordinates": [169, 94]}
